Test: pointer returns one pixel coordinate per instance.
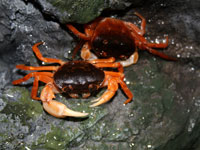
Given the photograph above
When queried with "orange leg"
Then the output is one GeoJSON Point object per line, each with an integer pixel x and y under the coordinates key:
{"type": "Point", "coordinates": [39, 55]}
{"type": "Point", "coordinates": [143, 23]}
{"type": "Point", "coordinates": [77, 33]}
{"type": "Point", "coordinates": [76, 49]}
{"type": "Point", "coordinates": [119, 78]}
{"type": "Point", "coordinates": [114, 74]}
{"type": "Point", "coordinates": [160, 45]}
{"type": "Point", "coordinates": [160, 54]}
{"type": "Point", "coordinates": [111, 65]}
{"type": "Point", "coordinates": [23, 67]}
{"type": "Point", "coordinates": [107, 60]}
{"type": "Point", "coordinates": [32, 74]}
{"type": "Point", "coordinates": [39, 76]}
{"type": "Point", "coordinates": [126, 91]}
{"type": "Point", "coordinates": [134, 28]}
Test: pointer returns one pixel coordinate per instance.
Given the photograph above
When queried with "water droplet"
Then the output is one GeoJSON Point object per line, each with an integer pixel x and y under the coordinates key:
{"type": "Point", "coordinates": [191, 125]}
{"type": "Point", "coordinates": [149, 146]}
{"type": "Point", "coordinates": [131, 115]}
{"type": "Point", "coordinates": [132, 144]}
{"type": "Point", "coordinates": [192, 69]}
{"type": "Point", "coordinates": [157, 41]}
{"type": "Point", "coordinates": [27, 148]}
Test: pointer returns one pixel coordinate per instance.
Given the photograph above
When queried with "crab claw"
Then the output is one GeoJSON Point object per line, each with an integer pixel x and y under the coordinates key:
{"type": "Point", "coordinates": [55, 108]}
{"type": "Point", "coordinates": [103, 99]}
{"type": "Point", "coordinates": [59, 110]}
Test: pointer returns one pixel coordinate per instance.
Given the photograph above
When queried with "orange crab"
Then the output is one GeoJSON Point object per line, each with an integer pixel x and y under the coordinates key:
{"type": "Point", "coordinates": [110, 37]}
{"type": "Point", "coordinates": [74, 78]}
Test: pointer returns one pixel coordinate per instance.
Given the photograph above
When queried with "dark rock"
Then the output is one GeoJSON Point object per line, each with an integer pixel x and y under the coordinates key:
{"type": "Point", "coordinates": [164, 113]}
{"type": "Point", "coordinates": [81, 11]}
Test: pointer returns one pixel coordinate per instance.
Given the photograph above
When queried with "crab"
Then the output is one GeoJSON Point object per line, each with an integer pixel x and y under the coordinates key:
{"type": "Point", "coordinates": [110, 37]}
{"type": "Point", "coordinates": [75, 78]}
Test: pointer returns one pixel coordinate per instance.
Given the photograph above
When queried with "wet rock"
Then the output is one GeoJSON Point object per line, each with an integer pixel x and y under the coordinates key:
{"type": "Point", "coordinates": [164, 113]}
{"type": "Point", "coordinates": [81, 11]}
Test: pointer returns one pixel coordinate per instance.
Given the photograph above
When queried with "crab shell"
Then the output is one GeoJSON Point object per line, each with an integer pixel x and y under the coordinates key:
{"type": "Point", "coordinates": [112, 38]}
{"type": "Point", "coordinates": [78, 77]}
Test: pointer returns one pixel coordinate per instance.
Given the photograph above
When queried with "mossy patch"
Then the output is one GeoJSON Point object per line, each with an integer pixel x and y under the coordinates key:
{"type": "Point", "coordinates": [82, 11]}
{"type": "Point", "coordinates": [23, 107]}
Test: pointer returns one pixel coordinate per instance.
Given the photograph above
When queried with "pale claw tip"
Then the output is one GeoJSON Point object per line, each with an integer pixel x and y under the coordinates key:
{"type": "Point", "coordinates": [71, 113]}
{"type": "Point", "coordinates": [99, 101]}
{"type": "Point", "coordinates": [95, 100]}
{"type": "Point", "coordinates": [95, 104]}
{"type": "Point", "coordinates": [59, 110]}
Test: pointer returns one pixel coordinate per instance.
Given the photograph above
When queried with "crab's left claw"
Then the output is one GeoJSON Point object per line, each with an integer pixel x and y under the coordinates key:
{"type": "Point", "coordinates": [60, 110]}
{"type": "Point", "coordinates": [108, 94]}
{"type": "Point", "coordinates": [55, 108]}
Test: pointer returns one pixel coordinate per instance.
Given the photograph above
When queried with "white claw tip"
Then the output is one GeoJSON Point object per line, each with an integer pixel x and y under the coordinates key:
{"type": "Point", "coordinates": [71, 113]}
{"type": "Point", "coordinates": [59, 110]}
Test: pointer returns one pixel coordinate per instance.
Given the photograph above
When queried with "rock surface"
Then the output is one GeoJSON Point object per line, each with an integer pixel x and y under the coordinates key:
{"type": "Point", "coordinates": [164, 113]}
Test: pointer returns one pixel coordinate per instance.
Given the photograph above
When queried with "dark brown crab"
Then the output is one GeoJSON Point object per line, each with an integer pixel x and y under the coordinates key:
{"type": "Point", "coordinates": [74, 78]}
{"type": "Point", "coordinates": [110, 37]}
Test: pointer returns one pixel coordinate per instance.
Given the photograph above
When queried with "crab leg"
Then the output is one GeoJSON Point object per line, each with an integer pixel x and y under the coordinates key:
{"type": "Point", "coordinates": [32, 74]}
{"type": "Point", "coordinates": [23, 67]}
{"type": "Point", "coordinates": [160, 54]}
{"type": "Point", "coordinates": [77, 33]}
{"type": "Point", "coordinates": [39, 76]}
{"type": "Point", "coordinates": [55, 108]}
{"type": "Point", "coordinates": [143, 23]}
{"type": "Point", "coordinates": [107, 60]}
{"type": "Point", "coordinates": [126, 91]}
{"type": "Point", "coordinates": [39, 55]}
{"type": "Point", "coordinates": [111, 65]}
{"type": "Point", "coordinates": [119, 78]}
{"type": "Point", "coordinates": [134, 28]}
{"type": "Point", "coordinates": [160, 45]}
{"type": "Point", "coordinates": [78, 46]}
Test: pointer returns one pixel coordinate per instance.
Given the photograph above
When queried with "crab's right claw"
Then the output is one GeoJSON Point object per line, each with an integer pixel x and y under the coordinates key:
{"type": "Point", "coordinates": [55, 108]}
{"type": "Point", "coordinates": [59, 110]}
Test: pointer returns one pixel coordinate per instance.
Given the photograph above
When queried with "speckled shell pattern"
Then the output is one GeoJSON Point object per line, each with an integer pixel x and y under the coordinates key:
{"type": "Point", "coordinates": [112, 38]}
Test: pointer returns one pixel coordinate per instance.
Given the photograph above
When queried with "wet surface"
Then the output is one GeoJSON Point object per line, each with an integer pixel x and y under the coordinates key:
{"type": "Point", "coordinates": [164, 113]}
